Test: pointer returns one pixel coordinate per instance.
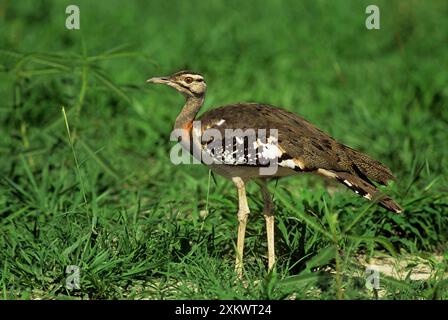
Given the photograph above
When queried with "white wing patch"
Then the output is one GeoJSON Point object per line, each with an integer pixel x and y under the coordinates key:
{"type": "Point", "coordinates": [237, 151]}
{"type": "Point", "coordinates": [367, 196]}
{"type": "Point", "coordinates": [268, 150]}
{"type": "Point", "coordinates": [288, 164]}
{"type": "Point", "coordinates": [327, 173]}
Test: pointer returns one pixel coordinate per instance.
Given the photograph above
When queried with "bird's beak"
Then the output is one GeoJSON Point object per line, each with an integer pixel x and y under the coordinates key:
{"type": "Point", "coordinates": [158, 80]}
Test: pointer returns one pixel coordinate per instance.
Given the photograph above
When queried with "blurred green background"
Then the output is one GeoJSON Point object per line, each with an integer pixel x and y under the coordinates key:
{"type": "Point", "coordinates": [104, 195]}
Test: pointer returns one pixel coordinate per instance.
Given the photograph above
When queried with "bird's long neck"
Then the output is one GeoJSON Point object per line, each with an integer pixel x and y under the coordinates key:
{"type": "Point", "coordinates": [189, 112]}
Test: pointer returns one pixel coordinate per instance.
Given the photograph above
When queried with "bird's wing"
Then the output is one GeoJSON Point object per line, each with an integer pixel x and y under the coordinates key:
{"type": "Point", "coordinates": [299, 146]}
{"type": "Point", "coordinates": [299, 141]}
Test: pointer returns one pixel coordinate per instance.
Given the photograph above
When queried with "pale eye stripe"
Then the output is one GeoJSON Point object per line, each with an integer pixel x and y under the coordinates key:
{"type": "Point", "coordinates": [196, 78]}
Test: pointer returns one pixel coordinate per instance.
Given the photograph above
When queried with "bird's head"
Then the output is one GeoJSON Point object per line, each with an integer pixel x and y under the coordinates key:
{"type": "Point", "coordinates": [190, 84]}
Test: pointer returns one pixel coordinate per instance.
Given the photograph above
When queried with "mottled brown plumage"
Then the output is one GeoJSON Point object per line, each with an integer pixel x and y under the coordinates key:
{"type": "Point", "coordinates": [309, 145]}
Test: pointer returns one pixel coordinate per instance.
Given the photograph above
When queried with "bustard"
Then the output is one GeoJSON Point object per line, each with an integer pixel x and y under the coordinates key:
{"type": "Point", "coordinates": [297, 147]}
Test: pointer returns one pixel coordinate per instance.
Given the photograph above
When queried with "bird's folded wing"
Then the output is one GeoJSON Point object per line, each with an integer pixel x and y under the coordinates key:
{"type": "Point", "coordinates": [297, 142]}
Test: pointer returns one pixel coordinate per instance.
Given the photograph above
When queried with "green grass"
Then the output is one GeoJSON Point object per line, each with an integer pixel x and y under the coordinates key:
{"type": "Point", "coordinates": [94, 186]}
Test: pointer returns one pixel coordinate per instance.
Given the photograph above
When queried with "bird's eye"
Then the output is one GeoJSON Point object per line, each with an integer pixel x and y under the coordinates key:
{"type": "Point", "coordinates": [188, 80]}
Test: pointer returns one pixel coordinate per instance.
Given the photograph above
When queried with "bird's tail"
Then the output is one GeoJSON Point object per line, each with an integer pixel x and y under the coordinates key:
{"type": "Point", "coordinates": [365, 189]}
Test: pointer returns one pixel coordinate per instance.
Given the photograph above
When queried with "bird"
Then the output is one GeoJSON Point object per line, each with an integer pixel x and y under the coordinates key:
{"type": "Point", "coordinates": [293, 144]}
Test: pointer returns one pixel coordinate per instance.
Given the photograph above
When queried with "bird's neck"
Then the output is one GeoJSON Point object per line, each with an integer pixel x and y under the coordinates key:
{"type": "Point", "coordinates": [189, 112]}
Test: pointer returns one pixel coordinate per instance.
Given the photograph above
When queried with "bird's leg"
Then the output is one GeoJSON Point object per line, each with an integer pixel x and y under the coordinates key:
{"type": "Point", "coordinates": [269, 217]}
{"type": "Point", "coordinates": [243, 212]}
